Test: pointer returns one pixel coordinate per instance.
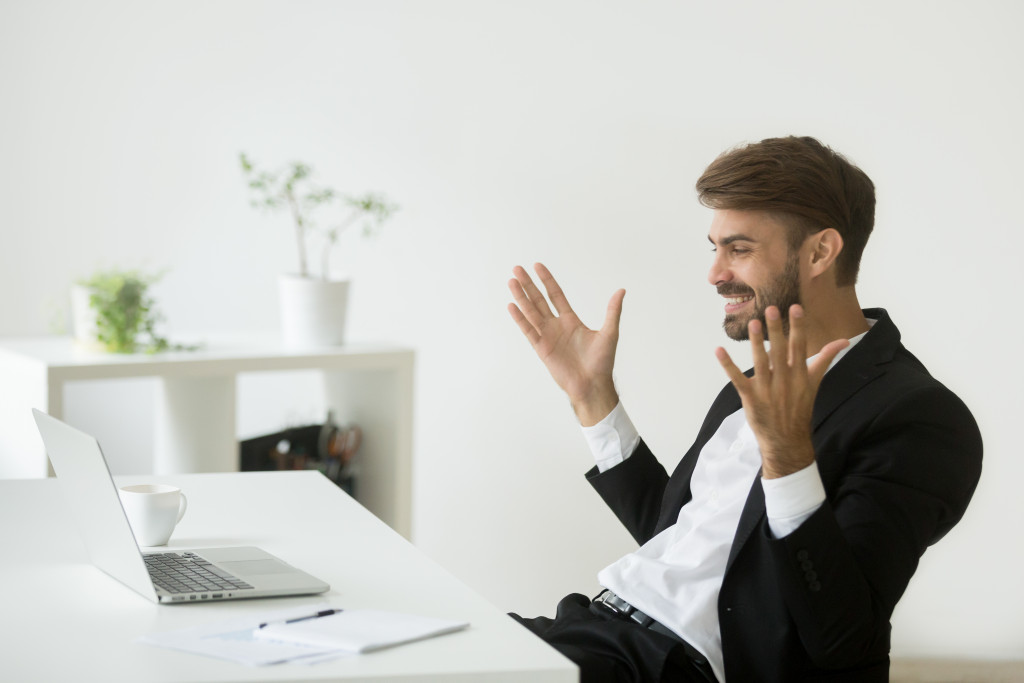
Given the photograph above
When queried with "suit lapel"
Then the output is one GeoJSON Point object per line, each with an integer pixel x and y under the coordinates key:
{"type": "Point", "coordinates": [864, 363]}
{"type": "Point", "coordinates": [750, 518]}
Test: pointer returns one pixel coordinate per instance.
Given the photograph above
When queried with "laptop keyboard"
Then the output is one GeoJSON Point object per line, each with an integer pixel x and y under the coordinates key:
{"type": "Point", "coordinates": [189, 573]}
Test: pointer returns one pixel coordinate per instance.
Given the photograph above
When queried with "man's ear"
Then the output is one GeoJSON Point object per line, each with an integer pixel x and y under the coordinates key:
{"type": "Point", "coordinates": [824, 248]}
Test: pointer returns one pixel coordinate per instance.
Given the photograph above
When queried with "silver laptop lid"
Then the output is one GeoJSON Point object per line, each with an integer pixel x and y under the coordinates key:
{"type": "Point", "coordinates": [94, 503]}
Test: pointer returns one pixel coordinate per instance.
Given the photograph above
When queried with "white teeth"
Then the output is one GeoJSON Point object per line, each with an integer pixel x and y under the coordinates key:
{"type": "Point", "coordinates": [740, 300]}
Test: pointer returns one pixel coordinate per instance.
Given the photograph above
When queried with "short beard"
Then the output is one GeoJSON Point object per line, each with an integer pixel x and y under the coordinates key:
{"type": "Point", "coordinates": [783, 291]}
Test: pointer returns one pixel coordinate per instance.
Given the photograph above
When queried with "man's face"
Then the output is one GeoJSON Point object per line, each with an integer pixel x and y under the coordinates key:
{"type": "Point", "coordinates": [753, 269]}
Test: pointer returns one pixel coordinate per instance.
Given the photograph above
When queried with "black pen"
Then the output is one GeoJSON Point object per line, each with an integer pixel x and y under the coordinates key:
{"type": "Point", "coordinates": [322, 613]}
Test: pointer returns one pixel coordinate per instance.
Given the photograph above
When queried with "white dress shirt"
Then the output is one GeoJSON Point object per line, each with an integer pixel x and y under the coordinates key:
{"type": "Point", "coordinates": [675, 577]}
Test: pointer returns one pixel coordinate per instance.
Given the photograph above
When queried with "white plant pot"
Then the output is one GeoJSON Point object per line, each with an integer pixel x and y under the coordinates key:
{"type": "Point", "coordinates": [312, 311]}
{"type": "Point", "coordinates": [83, 319]}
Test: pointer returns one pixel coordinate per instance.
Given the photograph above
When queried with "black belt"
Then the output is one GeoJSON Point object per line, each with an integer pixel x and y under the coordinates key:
{"type": "Point", "coordinates": [621, 608]}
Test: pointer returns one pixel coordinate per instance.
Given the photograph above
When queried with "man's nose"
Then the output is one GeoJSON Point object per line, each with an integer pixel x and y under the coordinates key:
{"type": "Point", "coordinates": [718, 273]}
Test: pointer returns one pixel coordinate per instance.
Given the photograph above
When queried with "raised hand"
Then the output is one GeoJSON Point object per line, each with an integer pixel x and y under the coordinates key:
{"type": "Point", "coordinates": [579, 359]}
{"type": "Point", "coordinates": [779, 398]}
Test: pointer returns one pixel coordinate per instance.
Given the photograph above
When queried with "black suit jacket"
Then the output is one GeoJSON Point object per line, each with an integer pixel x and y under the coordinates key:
{"type": "Point", "coordinates": [899, 455]}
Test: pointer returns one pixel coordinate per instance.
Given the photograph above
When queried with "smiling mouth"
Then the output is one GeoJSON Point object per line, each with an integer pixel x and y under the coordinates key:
{"type": "Point", "coordinates": [734, 303]}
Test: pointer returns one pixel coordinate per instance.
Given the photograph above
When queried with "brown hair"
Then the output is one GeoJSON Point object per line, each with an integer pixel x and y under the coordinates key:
{"type": "Point", "coordinates": [802, 180]}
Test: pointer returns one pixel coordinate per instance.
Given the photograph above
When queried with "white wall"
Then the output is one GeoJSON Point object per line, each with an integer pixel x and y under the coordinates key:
{"type": "Point", "coordinates": [568, 132]}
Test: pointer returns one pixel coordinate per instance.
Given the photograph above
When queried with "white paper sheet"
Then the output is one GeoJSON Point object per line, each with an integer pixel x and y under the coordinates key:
{"type": "Point", "coordinates": [234, 640]}
{"type": "Point", "coordinates": [359, 630]}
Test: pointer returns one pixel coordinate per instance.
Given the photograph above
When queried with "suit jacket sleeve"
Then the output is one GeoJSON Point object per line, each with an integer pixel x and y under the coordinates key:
{"type": "Point", "coordinates": [893, 488]}
{"type": "Point", "coordinates": [634, 490]}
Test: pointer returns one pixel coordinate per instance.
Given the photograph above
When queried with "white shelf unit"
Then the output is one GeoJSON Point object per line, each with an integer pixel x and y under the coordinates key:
{"type": "Point", "coordinates": [194, 424]}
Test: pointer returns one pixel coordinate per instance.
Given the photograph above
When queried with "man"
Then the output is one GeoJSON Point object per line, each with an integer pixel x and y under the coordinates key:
{"type": "Point", "coordinates": [779, 546]}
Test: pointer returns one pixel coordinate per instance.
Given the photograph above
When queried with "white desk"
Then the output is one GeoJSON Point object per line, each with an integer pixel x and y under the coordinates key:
{"type": "Point", "coordinates": [63, 619]}
{"type": "Point", "coordinates": [371, 386]}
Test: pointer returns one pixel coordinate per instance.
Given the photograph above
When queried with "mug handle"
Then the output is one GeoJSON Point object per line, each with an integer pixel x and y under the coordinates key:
{"type": "Point", "coordinates": [182, 506]}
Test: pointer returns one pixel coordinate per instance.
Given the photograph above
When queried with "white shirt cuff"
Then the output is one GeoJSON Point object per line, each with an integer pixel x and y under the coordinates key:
{"type": "Point", "coordinates": [613, 439]}
{"type": "Point", "coordinates": [790, 500]}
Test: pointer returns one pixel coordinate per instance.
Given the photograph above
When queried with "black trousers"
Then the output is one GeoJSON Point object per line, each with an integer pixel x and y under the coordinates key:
{"type": "Point", "coordinates": [612, 649]}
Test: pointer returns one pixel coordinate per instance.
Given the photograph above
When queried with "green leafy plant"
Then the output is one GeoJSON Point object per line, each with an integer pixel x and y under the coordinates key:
{"type": "Point", "coordinates": [126, 315]}
{"type": "Point", "coordinates": [292, 188]}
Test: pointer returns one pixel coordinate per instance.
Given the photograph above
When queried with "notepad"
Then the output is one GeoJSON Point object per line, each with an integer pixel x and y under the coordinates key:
{"type": "Point", "coordinates": [233, 640]}
{"type": "Point", "coordinates": [360, 630]}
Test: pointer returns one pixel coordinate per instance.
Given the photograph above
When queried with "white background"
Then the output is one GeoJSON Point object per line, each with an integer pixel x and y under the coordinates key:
{"type": "Point", "coordinates": [565, 132]}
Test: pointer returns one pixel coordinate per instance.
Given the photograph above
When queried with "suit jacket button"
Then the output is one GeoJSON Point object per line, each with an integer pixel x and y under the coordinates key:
{"type": "Point", "coordinates": [814, 586]}
{"type": "Point", "coordinates": [807, 565]}
{"type": "Point", "coordinates": [811, 576]}
{"type": "Point", "coordinates": [802, 555]}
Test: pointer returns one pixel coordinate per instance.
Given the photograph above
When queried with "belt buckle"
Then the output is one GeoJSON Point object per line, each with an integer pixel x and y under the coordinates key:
{"type": "Point", "coordinates": [615, 603]}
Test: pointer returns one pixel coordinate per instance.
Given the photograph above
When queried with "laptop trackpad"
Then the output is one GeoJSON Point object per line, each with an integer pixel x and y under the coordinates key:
{"type": "Point", "coordinates": [253, 567]}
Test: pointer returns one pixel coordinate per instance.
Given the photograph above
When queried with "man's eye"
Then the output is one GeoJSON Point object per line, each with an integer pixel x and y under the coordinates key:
{"type": "Point", "coordinates": [740, 250]}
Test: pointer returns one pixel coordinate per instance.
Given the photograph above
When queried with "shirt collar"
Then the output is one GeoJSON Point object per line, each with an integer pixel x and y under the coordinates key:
{"type": "Point", "coordinates": [853, 342]}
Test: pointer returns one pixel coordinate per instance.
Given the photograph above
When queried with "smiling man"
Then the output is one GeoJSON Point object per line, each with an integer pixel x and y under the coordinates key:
{"type": "Point", "coordinates": [748, 246]}
{"type": "Point", "coordinates": [782, 541]}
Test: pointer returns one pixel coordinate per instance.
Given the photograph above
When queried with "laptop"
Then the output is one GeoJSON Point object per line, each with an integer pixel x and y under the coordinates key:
{"type": "Point", "coordinates": [214, 573]}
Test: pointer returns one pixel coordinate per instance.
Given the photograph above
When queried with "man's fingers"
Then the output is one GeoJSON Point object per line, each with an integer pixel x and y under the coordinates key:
{"type": "Point", "coordinates": [825, 357]}
{"type": "Point", "coordinates": [555, 293]}
{"type": "Point", "coordinates": [736, 375]}
{"type": "Point", "coordinates": [532, 292]}
{"type": "Point", "coordinates": [779, 353]}
{"type": "Point", "coordinates": [757, 350]}
{"type": "Point", "coordinates": [614, 313]}
{"type": "Point", "coordinates": [528, 330]}
{"type": "Point", "coordinates": [532, 305]}
{"type": "Point", "coordinates": [797, 352]}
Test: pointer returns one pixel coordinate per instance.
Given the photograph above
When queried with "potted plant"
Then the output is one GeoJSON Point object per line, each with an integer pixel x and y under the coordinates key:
{"type": "Point", "coordinates": [313, 305]}
{"type": "Point", "coordinates": [113, 311]}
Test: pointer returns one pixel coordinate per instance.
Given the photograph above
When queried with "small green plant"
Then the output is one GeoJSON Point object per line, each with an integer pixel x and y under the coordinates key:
{"type": "Point", "coordinates": [293, 188]}
{"type": "Point", "coordinates": [126, 315]}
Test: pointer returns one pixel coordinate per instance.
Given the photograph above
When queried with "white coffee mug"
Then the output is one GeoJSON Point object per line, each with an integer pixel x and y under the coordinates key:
{"type": "Point", "coordinates": [153, 511]}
